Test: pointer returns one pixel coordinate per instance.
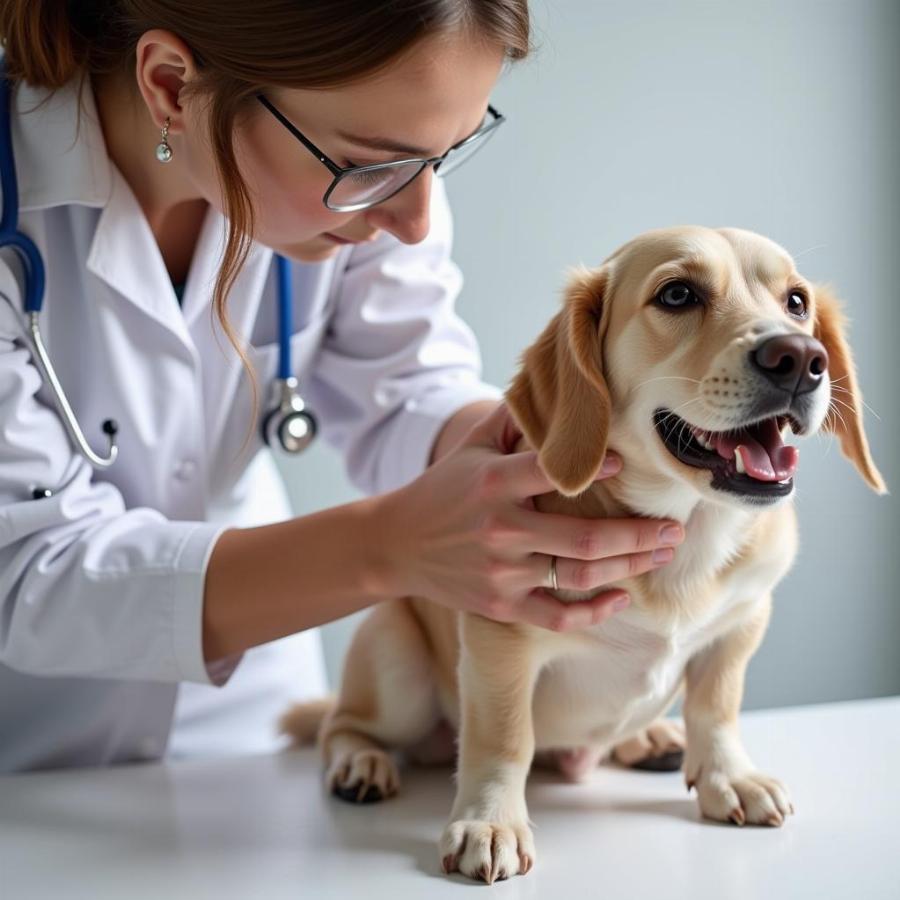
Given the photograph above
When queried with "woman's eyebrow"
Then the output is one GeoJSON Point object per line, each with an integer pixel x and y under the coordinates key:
{"type": "Point", "coordinates": [381, 143]}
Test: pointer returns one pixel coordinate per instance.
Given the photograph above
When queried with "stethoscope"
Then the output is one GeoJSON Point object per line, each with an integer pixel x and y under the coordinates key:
{"type": "Point", "coordinates": [288, 421]}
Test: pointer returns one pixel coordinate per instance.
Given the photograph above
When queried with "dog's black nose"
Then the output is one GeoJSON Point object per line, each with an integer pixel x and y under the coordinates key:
{"type": "Point", "coordinates": [792, 362]}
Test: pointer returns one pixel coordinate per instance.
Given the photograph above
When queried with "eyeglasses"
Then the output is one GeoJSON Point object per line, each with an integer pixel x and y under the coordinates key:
{"type": "Point", "coordinates": [359, 187]}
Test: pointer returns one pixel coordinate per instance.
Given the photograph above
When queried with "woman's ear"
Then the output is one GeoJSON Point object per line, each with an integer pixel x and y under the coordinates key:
{"type": "Point", "coordinates": [845, 414]}
{"type": "Point", "coordinates": [559, 397]}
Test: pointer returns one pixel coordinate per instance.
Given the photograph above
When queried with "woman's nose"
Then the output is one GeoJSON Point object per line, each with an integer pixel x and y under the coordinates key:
{"type": "Point", "coordinates": [406, 214]}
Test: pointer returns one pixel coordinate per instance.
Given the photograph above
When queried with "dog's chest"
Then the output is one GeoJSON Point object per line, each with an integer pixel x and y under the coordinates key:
{"type": "Point", "coordinates": [626, 680]}
{"type": "Point", "coordinates": [624, 673]}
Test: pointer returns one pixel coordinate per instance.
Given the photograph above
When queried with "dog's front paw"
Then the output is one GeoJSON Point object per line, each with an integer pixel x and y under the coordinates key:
{"type": "Point", "coordinates": [487, 851]}
{"type": "Point", "coordinates": [363, 776]}
{"type": "Point", "coordinates": [749, 797]}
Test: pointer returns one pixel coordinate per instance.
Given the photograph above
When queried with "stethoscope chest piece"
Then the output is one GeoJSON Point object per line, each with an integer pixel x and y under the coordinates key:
{"type": "Point", "coordinates": [289, 424]}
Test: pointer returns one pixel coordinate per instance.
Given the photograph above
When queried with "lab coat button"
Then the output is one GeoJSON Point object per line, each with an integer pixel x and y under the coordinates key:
{"type": "Point", "coordinates": [185, 470]}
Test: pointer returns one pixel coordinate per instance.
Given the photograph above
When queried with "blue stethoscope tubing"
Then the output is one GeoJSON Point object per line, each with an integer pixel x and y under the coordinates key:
{"type": "Point", "coordinates": [288, 421]}
{"type": "Point", "coordinates": [34, 281]}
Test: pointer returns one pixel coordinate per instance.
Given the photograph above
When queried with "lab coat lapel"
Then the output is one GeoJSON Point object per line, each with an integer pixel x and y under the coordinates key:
{"type": "Point", "coordinates": [243, 298]}
{"type": "Point", "coordinates": [222, 366]}
{"type": "Point", "coordinates": [61, 159]}
{"type": "Point", "coordinates": [125, 255]}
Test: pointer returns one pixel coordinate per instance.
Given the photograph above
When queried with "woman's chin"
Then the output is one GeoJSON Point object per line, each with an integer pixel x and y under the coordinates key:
{"type": "Point", "coordinates": [315, 250]}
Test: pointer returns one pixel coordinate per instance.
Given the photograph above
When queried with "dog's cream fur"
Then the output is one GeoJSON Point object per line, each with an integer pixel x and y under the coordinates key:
{"type": "Point", "coordinates": [513, 692]}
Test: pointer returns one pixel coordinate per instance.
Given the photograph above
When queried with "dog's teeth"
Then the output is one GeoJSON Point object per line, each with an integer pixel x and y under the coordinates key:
{"type": "Point", "coordinates": [739, 461]}
{"type": "Point", "coordinates": [702, 438]}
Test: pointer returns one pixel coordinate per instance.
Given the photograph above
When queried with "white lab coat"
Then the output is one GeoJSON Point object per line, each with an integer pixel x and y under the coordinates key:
{"type": "Point", "coordinates": [101, 585]}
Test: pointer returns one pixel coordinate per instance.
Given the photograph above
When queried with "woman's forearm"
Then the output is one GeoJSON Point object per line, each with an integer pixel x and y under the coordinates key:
{"type": "Point", "coordinates": [270, 581]}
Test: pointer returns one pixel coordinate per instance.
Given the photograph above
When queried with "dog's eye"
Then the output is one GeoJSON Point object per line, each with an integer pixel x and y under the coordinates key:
{"type": "Point", "coordinates": [677, 295]}
{"type": "Point", "coordinates": [796, 304]}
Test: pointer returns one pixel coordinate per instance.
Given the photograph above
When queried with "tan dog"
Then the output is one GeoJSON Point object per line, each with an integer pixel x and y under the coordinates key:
{"type": "Point", "coordinates": [690, 351]}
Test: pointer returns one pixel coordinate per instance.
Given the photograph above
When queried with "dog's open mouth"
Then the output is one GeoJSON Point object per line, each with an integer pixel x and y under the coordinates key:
{"type": "Point", "coordinates": [753, 460]}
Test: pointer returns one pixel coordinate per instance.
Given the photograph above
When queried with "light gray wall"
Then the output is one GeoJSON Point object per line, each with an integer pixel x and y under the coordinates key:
{"type": "Point", "coordinates": [780, 117]}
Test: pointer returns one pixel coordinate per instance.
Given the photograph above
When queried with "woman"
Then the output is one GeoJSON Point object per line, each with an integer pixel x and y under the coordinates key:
{"type": "Point", "coordinates": [164, 149]}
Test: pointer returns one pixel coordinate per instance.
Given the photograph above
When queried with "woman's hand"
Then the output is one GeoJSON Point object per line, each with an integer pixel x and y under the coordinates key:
{"type": "Point", "coordinates": [465, 534]}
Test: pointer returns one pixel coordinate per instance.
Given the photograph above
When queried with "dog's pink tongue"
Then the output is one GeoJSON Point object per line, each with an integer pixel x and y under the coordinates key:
{"type": "Point", "coordinates": [766, 457]}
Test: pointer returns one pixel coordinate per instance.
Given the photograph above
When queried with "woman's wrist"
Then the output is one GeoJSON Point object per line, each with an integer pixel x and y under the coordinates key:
{"type": "Point", "coordinates": [384, 562]}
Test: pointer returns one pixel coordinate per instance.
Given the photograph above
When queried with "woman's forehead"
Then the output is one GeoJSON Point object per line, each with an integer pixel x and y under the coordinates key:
{"type": "Point", "coordinates": [429, 99]}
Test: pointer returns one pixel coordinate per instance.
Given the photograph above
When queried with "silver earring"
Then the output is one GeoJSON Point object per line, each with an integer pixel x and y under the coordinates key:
{"type": "Point", "coordinates": [163, 150]}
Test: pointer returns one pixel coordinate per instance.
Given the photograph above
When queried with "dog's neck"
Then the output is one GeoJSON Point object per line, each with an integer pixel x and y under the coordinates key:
{"type": "Point", "coordinates": [714, 533]}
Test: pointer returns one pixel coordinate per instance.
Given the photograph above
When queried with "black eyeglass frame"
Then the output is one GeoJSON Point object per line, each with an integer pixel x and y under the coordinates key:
{"type": "Point", "coordinates": [340, 172]}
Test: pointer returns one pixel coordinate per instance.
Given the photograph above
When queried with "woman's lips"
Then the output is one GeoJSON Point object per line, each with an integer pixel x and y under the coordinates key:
{"type": "Point", "coordinates": [342, 240]}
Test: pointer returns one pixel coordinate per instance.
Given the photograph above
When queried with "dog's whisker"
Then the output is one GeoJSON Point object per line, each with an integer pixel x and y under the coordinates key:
{"type": "Point", "coordinates": [684, 423]}
{"type": "Point", "coordinates": [683, 405]}
{"type": "Point", "coordinates": [809, 250]}
{"type": "Point", "coordinates": [866, 405]}
{"type": "Point", "coordinates": [852, 408]}
{"type": "Point", "coordinates": [667, 378]}
{"type": "Point", "coordinates": [671, 413]}
{"type": "Point", "coordinates": [837, 412]}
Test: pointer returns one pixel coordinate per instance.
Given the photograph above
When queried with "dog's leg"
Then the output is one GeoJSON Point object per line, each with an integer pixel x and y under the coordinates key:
{"type": "Point", "coordinates": [488, 836]}
{"type": "Point", "coordinates": [728, 786]}
{"type": "Point", "coordinates": [388, 699]}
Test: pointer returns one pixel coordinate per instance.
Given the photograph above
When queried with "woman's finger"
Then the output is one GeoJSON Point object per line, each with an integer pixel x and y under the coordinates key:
{"type": "Point", "coordinates": [497, 430]}
{"type": "Point", "coordinates": [544, 610]}
{"type": "Point", "coordinates": [572, 537]}
{"type": "Point", "coordinates": [524, 477]}
{"type": "Point", "coordinates": [589, 575]}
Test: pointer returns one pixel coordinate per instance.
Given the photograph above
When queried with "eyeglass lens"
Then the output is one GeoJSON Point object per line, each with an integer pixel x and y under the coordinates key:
{"type": "Point", "coordinates": [372, 186]}
{"type": "Point", "coordinates": [366, 188]}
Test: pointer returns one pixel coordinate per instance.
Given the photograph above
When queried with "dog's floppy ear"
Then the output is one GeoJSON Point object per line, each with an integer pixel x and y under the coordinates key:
{"type": "Point", "coordinates": [559, 397]}
{"type": "Point", "coordinates": [845, 414]}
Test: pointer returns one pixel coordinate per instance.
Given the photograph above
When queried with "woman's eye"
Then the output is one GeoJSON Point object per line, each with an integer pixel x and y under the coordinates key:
{"type": "Point", "coordinates": [677, 295]}
{"type": "Point", "coordinates": [368, 179]}
{"type": "Point", "coordinates": [797, 304]}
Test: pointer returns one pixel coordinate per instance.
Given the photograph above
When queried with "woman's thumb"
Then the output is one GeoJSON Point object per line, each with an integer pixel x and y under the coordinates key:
{"type": "Point", "coordinates": [498, 429]}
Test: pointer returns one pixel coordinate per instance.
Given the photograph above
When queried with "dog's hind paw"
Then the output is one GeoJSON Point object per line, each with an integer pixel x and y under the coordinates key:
{"type": "Point", "coordinates": [658, 748]}
{"type": "Point", "coordinates": [363, 776]}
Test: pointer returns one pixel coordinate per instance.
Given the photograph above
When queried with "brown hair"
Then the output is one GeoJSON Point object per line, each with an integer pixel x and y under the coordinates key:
{"type": "Point", "coordinates": [240, 48]}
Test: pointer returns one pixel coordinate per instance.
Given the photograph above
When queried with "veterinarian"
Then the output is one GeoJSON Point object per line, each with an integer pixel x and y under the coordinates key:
{"type": "Point", "coordinates": [183, 209]}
